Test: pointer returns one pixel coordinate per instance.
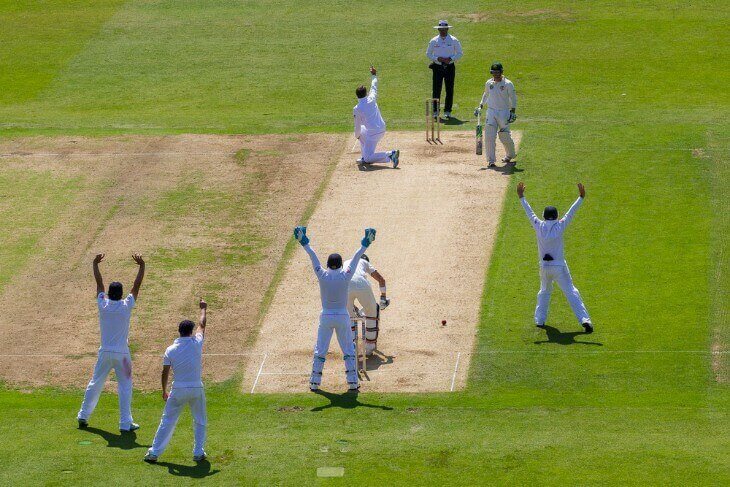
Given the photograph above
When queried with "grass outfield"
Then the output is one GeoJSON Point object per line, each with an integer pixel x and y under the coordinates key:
{"type": "Point", "coordinates": [631, 99]}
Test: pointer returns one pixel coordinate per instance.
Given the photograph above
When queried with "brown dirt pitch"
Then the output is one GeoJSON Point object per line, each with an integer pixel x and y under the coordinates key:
{"type": "Point", "coordinates": [436, 217]}
{"type": "Point", "coordinates": [211, 214]}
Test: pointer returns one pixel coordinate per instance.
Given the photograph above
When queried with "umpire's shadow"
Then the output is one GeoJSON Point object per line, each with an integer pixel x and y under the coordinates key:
{"type": "Point", "coordinates": [123, 441]}
{"type": "Point", "coordinates": [568, 338]}
{"type": "Point", "coordinates": [198, 471]}
{"type": "Point", "coordinates": [506, 170]}
{"type": "Point", "coordinates": [347, 400]}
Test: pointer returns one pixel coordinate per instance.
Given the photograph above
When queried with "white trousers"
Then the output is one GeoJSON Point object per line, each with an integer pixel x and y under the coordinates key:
{"type": "Point", "coordinates": [340, 325]}
{"type": "Point", "coordinates": [561, 275]}
{"type": "Point", "coordinates": [179, 398]}
{"type": "Point", "coordinates": [497, 123]}
{"type": "Point", "coordinates": [368, 145]}
{"type": "Point", "coordinates": [122, 365]}
{"type": "Point", "coordinates": [366, 299]}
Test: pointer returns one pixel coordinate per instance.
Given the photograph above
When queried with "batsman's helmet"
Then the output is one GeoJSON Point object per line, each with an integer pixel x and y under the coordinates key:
{"type": "Point", "coordinates": [365, 257]}
{"type": "Point", "coordinates": [115, 291]}
{"type": "Point", "coordinates": [550, 213]}
{"type": "Point", "coordinates": [334, 261]}
{"type": "Point", "coordinates": [496, 68]}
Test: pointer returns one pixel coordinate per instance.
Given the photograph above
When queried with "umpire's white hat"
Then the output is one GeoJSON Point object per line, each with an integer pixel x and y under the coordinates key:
{"type": "Point", "coordinates": [442, 25]}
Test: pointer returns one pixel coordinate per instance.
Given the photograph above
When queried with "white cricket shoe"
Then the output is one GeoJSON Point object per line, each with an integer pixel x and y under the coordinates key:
{"type": "Point", "coordinates": [132, 427]}
{"type": "Point", "coordinates": [149, 457]}
{"type": "Point", "coordinates": [199, 458]}
{"type": "Point", "coordinates": [313, 387]}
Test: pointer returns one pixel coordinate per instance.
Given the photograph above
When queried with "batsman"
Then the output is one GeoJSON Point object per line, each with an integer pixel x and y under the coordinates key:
{"type": "Point", "coordinates": [501, 100]}
{"type": "Point", "coordinates": [361, 292]}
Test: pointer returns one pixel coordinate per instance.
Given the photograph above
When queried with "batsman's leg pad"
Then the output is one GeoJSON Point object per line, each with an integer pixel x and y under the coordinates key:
{"type": "Point", "coordinates": [317, 367]}
{"type": "Point", "coordinates": [490, 139]}
{"type": "Point", "coordinates": [350, 368]}
{"type": "Point", "coordinates": [506, 138]}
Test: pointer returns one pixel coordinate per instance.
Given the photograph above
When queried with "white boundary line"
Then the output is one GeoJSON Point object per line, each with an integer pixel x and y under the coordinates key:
{"type": "Point", "coordinates": [456, 368]}
{"type": "Point", "coordinates": [261, 368]}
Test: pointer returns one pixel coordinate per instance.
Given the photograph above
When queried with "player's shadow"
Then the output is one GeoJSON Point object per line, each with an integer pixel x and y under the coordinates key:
{"type": "Point", "coordinates": [452, 121]}
{"type": "Point", "coordinates": [123, 441]}
{"type": "Point", "coordinates": [375, 167]}
{"type": "Point", "coordinates": [347, 400]}
{"type": "Point", "coordinates": [564, 338]}
{"type": "Point", "coordinates": [505, 170]}
{"type": "Point", "coordinates": [377, 360]}
{"type": "Point", "coordinates": [198, 471]}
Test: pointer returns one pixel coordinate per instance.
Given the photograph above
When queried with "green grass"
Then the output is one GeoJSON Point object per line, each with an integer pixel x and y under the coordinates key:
{"type": "Point", "coordinates": [628, 97]}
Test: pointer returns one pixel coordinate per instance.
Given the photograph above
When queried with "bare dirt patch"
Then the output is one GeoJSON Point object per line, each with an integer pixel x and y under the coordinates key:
{"type": "Point", "coordinates": [436, 217]}
{"type": "Point", "coordinates": [208, 222]}
{"type": "Point", "coordinates": [535, 15]}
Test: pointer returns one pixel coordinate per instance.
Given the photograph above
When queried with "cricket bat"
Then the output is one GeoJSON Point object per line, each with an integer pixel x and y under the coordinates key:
{"type": "Point", "coordinates": [479, 132]}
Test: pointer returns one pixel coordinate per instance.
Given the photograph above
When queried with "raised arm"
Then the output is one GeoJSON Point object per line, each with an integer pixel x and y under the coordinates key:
{"type": "Point", "coordinates": [300, 234]}
{"type": "Point", "coordinates": [574, 207]}
{"type": "Point", "coordinates": [97, 274]}
{"type": "Point", "coordinates": [364, 244]}
{"type": "Point", "coordinates": [373, 95]}
{"type": "Point", "coordinates": [140, 275]}
{"type": "Point", "coordinates": [534, 220]}
{"type": "Point", "coordinates": [203, 317]}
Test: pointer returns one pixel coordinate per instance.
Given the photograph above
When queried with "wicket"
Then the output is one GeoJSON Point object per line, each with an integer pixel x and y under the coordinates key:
{"type": "Point", "coordinates": [358, 336]}
{"type": "Point", "coordinates": [433, 120]}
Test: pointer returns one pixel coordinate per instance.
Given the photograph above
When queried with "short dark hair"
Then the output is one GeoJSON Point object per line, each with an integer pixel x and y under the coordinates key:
{"type": "Point", "coordinates": [365, 257]}
{"type": "Point", "coordinates": [115, 291]}
{"type": "Point", "coordinates": [186, 328]}
{"type": "Point", "coordinates": [334, 261]}
{"type": "Point", "coordinates": [550, 213]}
{"type": "Point", "coordinates": [361, 92]}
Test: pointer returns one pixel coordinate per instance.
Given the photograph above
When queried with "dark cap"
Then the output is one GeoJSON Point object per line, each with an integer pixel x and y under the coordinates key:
{"type": "Point", "coordinates": [334, 261]}
{"type": "Point", "coordinates": [496, 67]}
{"type": "Point", "coordinates": [550, 213]}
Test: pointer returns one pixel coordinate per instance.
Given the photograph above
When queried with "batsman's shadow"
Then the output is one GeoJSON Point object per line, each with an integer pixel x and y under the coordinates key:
{"type": "Point", "coordinates": [374, 167]}
{"type": "Point", "coordinates": [561, 338]}
{"type": "Point", "coordinates": [347, 400]}
{"type": "Point", "coordinates": [123, 441]}
{"type": "Point", "coordinates": [506, 170]}
{"type": "Point", "coordinates": [452, 121]}
{"type": "Point", "coordinates": [198, 471]}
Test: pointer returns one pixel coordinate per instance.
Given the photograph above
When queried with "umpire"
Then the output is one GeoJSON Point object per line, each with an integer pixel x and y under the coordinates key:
{"type": "Point", "coordinates": [443, 51]}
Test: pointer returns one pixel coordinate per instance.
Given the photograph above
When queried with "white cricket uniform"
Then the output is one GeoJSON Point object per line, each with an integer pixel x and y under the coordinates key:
{"type": "Point", "coordinates": [114, 354]}
{"type": "Point", "coordinates": [361, 291]}
{"type": "Point", "coordinates": [185, 356]}
{"type": "Point", "coordinates": [500, 98]}
{"type": "Point", "coordinates": [550, 242]}
{"type": "Point", "coordinates": [447, 46]}
{"type": "Point", "coordinates": [370, 126]}
{"type": "Point", "coordinates": [333, 288]}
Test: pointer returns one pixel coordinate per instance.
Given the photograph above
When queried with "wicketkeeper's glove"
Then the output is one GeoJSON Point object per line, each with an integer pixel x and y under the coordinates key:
{"type": "Point", "coordinates": [512, 117]}
{"type": "Point", "coordinates": [384, 302]}
{"type": "Point", "coordinates": [300, 234]}
{"type": "Point", "coordinates": [368, 238]}
{"type": "Point", "coordinates": [476, 111]}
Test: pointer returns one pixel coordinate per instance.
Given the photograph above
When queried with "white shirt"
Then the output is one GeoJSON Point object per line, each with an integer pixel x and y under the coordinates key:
{"type": "Point", "coordinates": [448, 46]}
{"type": "Point", "coordinates": [185, 355]}
{"type": "Point", "coordinates": [334, 284]}
{"type": "Point", "coordinates": [360, 276]}
{"type": "Point", "coordinates": [499, 95]}
{"type": "Point", "coordinates": [550, 233]}
{"type": "Point", "coordinates": [114, 323]}
{"type": "Point", "coordinates": [367, 114]}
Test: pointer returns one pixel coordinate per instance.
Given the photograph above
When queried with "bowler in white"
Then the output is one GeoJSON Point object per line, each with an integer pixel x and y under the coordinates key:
{"type": "Point", "coordinates": [115, 312]}
{"type": "Point", "coordinates": [553, 267]}
{"type": "Point", "coordinates": [185, 358]}
{"type": "Point", "coordinates": [370, 126]}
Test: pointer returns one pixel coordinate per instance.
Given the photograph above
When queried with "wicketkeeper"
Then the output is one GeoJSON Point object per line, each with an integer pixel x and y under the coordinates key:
{"type": "Point", "coordinates": [501, 99]}
{"type": "Point", "coordinates": [361, 292]}
{"type": "Point", "coordinates": [334, 282]}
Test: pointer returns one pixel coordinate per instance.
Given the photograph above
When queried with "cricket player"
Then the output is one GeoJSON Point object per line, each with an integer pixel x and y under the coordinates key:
{"type": "Point", "coordinates": [334, 283]}
{"type": "Point", "coordinates": [185, 358]}
{"type": "Point", "coordinates": [501, 99]}
{"type": "Point", "coordinates": [553, 267]}
{"type": "Point", "coordinates": [361, 291]}
{"type": "Point", "coordinates": [114, 314]}
{"type": "Point", "coordinates": [370, 126]}
{"type": "Point", "coordinates": [443, 51]}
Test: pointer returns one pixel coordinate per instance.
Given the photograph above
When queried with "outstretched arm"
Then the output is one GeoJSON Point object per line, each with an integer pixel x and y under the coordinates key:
{"type": "Point", "coordinates": [534, 220]}
{"type": "Point", "coordinates": [364, 244]}
{"type": "Point", "coordinates": [203, 317]}
{"type": "Point", "coordinates": [97, 274]}
{"type": "Point", "coordinates": [574, 207]}
{"type": "Point", "coordinates": [313, 257]}
{"type": "Point", "coordinates": [373, 95]}
{"type": "Point", "coordinates": [140, 275]}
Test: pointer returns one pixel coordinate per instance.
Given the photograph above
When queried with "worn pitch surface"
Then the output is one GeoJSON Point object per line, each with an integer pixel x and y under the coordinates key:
{"type": "Point", "coordinates": [436, 217]}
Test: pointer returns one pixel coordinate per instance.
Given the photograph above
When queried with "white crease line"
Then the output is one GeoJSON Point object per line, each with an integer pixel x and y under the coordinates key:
{"type": "Point", "coordinates": [114, 154]}
{"type": "Point", "coordinates": [261, 368]}
{"type": "Point", "coordinates": [456, 368]}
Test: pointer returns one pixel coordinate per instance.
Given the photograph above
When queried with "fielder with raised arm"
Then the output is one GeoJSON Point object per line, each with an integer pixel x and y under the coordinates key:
{"type": "Point", "coordinates": [361, 291]}
{"type": "Point", "coordinates": [370, 126]}
{"type": "Point", "coordinates": [501, 100]}
{"type": "Point", "coordinates": [185, 358]}
{"type": "Point", "coordinates": [335, 317]}
{"type": "Point", "coordinates": [553, 267]}
{"type": "Point", "coordinates": [114, 314]}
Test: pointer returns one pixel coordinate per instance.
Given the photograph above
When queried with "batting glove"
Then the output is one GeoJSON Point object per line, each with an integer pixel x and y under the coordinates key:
{"type": "Point", "coordinates": [512, 117]}
{"type": "Point", "coordinates": [368, 238]}
{"type": "Point", "coordinates": [300, 234]}
{"type": "Point", "coordinates": [384, 302]}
